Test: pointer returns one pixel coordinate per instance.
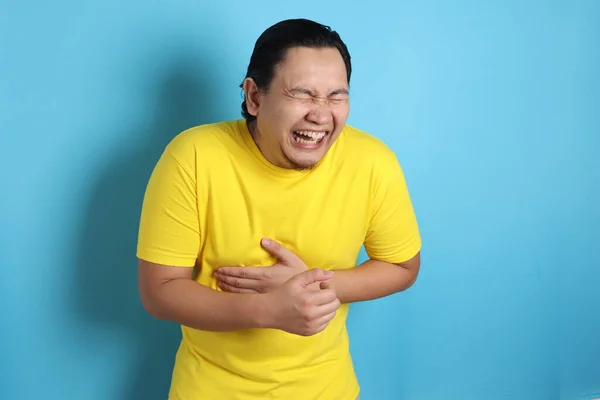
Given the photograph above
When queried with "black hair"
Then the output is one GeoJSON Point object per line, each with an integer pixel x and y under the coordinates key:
{"type": "Point", "coordinates": [272, 46]}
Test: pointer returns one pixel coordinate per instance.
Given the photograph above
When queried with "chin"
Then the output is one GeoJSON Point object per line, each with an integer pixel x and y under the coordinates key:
{"type": "Point", "coordinates": [305, 166]}
{"type": "Point", "coordinates": [303, 163]}
{"type": "Point", "coordinates": [303, 156]}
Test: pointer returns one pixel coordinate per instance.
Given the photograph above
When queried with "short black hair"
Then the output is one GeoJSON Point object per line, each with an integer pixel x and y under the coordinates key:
{"type": "Point", "coordinates": [272, 46]}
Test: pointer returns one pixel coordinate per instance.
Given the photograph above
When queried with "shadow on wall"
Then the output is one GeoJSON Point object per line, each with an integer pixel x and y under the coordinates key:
{"type": "Point", "coordinates": [106, 272]}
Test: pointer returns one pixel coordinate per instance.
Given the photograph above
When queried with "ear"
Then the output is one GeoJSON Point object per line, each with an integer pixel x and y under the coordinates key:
{"type": "Point", "coordinates": [252, 96]}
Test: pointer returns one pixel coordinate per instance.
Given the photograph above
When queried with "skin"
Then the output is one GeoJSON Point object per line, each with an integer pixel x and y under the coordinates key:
{"type": "Point", "coordinates": [309, 91]}
{"type": "Point", "coordinates": [304, 305]}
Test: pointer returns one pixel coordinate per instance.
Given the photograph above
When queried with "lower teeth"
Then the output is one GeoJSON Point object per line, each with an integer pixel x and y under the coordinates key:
{"type": "Point", "coordinates": [306, 141]}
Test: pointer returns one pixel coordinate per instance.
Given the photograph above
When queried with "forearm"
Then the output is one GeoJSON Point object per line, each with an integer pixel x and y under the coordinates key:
{"type": "Point", "coordinates": [371, 280]}
{"type": "Point", "coordinates": [194, 305]}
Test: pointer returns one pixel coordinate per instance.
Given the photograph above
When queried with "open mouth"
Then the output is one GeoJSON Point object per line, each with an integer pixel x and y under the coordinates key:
{"type": "Point", "coordinates": [309, 138]}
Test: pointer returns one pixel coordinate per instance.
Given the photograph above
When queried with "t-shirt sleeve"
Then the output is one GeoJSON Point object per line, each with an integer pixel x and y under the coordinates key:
{"type": "Point", "coordinates": [169, 232]}
{"type": "Point", "coordinates": [393, 233]}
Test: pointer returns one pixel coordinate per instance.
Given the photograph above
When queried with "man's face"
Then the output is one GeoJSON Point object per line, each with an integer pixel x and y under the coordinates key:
{"type": "Point", "coordinates": [304, 110]}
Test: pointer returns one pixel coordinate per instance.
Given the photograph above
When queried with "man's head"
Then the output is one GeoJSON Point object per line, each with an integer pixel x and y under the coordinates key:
{"type": "Point", "coordinates": [296, 92]}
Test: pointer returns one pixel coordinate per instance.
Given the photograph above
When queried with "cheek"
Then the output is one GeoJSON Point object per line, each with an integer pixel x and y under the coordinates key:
{"type": "Point", "coordinates": [290, 114]}
{"type": "Point", "coordinates": [340, 113]}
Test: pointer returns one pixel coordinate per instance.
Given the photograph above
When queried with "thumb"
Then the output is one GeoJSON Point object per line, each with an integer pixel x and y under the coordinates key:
{"type": "Point", "coordinates": [311, 276]}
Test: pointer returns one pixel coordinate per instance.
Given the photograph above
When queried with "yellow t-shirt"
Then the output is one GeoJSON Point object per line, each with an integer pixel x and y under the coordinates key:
{"type": "Point", "coordinates": [210, 200]}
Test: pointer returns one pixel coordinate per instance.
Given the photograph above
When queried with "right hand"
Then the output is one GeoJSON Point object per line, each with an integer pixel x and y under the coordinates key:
{"type": "Point", "coordinates": [296, 307]}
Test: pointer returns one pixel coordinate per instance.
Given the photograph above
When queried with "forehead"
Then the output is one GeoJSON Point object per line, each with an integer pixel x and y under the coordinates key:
{"type": "Point", "coordinates": [316, 66]}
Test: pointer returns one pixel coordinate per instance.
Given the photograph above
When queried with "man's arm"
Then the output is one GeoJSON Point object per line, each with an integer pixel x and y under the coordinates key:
{"type": "Point", "coordinates": [374, 279]}
{"type": "Point", "coordinates": [169, 236]}
{"type": "Point", "coordinates": [370, 280]}
{"type": "Point", "coordinates": [170, 293]}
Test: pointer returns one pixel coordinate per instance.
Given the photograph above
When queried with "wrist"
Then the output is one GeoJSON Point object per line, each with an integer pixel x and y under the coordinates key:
{"type": "Point", "coordinates": [262, 311]}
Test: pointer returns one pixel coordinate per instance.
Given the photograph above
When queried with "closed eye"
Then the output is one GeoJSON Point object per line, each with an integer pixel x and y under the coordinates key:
{"type": "Point", "coordinates": [301, 93]}
{"type": "Point", "coordinates": [339, 93]}
{"type": "Point", "coordinates": [336, 96]}
{"type": "Point", "coordinates": [339, 96]}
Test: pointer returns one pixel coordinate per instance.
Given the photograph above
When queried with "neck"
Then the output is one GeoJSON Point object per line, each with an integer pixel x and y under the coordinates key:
{"type": "Point", "coordinates": [274, 154]}
{"type": "Point", "coordinates": [270, 156]}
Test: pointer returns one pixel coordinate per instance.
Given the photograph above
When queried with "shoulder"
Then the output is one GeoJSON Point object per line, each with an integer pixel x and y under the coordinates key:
{"type": "Point", "coordinates": [203, 140]}
{"type": "Point", "coordinates": [366, 149]}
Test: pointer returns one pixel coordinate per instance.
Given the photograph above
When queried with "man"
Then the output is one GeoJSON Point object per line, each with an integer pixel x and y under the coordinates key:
{"type": "Point", "coordinates": [250, 230]}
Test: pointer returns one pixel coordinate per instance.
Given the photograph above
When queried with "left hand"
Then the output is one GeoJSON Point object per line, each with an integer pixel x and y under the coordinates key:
{"type": "Point", "coordinates": [261, 279]}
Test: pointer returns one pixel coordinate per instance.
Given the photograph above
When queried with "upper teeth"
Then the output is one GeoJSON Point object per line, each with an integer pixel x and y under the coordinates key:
{"type": "Point", "coordinates": [312, 134]}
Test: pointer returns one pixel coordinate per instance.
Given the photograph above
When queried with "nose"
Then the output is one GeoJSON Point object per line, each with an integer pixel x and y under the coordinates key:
{"type": "Point", "coordinates": [320, 113]}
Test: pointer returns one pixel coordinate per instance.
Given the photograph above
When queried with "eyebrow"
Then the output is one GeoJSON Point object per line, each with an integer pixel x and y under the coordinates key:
{"type": "Point", "coordinates": [339, 91]}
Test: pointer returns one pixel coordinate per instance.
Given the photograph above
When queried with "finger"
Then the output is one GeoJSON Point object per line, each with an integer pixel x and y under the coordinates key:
{"type": "Point", "coordinates": [327, 308]}
{"type": "Point", "coordinates": [325, 319]}
{"type": "Point", "coordinates": [323, 323]}
{"type": "Point", "coordinates": [325, 285]}
{"type": "Point", "coordinates": [241, 283]}
{"type": "Point", "coordinates": [313, 287]}
{"type": "Point", "coordinates": [322, 297]}
{"type": "Point", "coordinates": [311, 276]}
{"type": "Point", "coordinates": [279, 251]}
{"type": "Point", "coordinates": [233, 289]}
{"type": "Point", "coordinates": [241, 272]}
{"type": "Point", "coordinates": [322, 328]}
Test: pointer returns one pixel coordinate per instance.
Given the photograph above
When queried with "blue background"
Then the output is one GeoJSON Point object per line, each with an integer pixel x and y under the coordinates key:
{"type": "Point", "coordinates": [493, 108]}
